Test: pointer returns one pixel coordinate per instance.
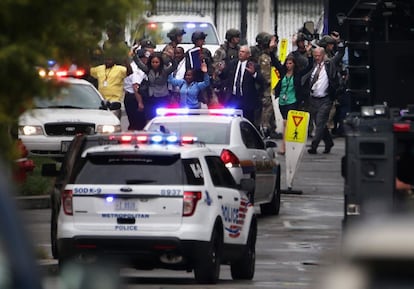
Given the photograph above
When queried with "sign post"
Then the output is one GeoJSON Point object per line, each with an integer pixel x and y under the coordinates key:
{"type": "Point", "coordinates": [296, 135]}
{"type": "Point", "coordinates": [275, 78]}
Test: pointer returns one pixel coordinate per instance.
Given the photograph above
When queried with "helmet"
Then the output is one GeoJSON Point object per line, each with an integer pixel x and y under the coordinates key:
{"type": "Point", "coordinates": [232, 33]}
{"type": "Point", "coordinates": [197, 35]}
{"type": "Point", "coordinates": [300, 37]}
{"type": "Point", "coordinates": [147, 43]}
{"type": "Point", "coordinates": [325, 40]}
{"type": "Point", "coordinates": [263, 39]}
{"type": "Point", "coordinates": [175, 32]}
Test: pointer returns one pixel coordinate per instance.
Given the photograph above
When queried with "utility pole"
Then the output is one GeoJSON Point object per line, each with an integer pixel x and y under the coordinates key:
{"type": "Point", "coordinates": [265, 11]}
{"type": "Point", "coordinates": [243, 21]}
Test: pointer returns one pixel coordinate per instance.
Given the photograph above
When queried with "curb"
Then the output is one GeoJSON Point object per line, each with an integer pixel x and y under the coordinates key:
{"type": "Point", "coordinates": [33, 202]}
{"type": "Point", "coordinates": [48, 267]}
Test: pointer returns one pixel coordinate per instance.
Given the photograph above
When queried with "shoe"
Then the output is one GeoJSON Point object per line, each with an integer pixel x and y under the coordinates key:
{"type": "Point", "coordinates": [328, 149]}
{"type": "Point", "coordinates": [312, 151]}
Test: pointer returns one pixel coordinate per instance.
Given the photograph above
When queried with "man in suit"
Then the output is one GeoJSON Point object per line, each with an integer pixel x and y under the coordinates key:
{"type": "Point", "coordinates": [322, 81]}
{"type": "Point", "coordinates": [243, 80]}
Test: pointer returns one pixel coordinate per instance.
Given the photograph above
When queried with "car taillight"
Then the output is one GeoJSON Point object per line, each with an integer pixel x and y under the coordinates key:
{"type": "Point", "coordinates": [401, 127]}
{"type": "Point", "coordinates": [229, 158]}
{"type": "Point", "coordinates": [67, 202]}
{"type": "Point", "coordinates": [190, 202]}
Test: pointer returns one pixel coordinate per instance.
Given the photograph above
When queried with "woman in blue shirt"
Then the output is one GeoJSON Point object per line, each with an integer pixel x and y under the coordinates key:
{"type": "Point", "coordinates": [190, 89]}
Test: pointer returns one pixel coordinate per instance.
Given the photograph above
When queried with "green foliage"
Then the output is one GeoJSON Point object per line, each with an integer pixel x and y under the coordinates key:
{"type": "Point", "coordinates": [33, 32]}
{"type": "Point", "coordinates": [35, 183]}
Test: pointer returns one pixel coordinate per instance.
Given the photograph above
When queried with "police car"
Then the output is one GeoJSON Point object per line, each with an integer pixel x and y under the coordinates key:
{"type": "Point", "coordinates": [76, 107]}
{"type": "Point", "coordinates": [153, 202]}
{"type": "Point", "coordinates": [241, 146]}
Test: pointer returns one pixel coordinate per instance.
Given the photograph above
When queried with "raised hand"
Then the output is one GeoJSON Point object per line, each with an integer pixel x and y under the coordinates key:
{"type": "Point", "coordinates": [204, 67]}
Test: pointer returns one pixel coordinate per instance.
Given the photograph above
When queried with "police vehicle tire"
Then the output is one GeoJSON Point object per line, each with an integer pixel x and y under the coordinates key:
{"type": "Point", "coordinates": [273, 207]}
{"type": "Point", "coordinates": [207, 268]}
{"type": "Point", "coordinates": [244, 268]}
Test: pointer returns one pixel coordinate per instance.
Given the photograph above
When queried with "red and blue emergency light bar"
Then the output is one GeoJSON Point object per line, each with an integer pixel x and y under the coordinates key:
{"type": "Point", "coordinates": [151, 138]}
{"type": "Point", "coordinates": [201, 111]}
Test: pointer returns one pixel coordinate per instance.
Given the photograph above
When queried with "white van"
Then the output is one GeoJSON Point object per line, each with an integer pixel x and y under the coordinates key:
{"type": "Point", "coordinates": [160, 25]}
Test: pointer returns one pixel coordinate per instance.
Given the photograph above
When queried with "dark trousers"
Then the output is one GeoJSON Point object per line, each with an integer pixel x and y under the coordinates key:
{"type": "Point", "coordinates": [236, 102]}
{"type": "Point", "coordinates": [152, 103]}
{"type": "Point", "coordinates": [319, 109]}
{"type": "Point", "coordinates": [136, 118]}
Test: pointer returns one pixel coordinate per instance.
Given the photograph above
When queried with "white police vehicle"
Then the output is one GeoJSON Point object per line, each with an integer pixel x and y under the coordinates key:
{"type": "Point", "coordinates": [154, 204]}
{"type": "Point", "coordinates": [241, 146]}
{"type": "Point", "coordinates": [76, 107]}
{"type": "Point", "coordinates": [158, 26]}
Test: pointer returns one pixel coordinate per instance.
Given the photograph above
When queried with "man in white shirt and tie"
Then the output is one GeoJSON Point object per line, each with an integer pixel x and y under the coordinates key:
{"type": "Point", "coordinates": [322, 80]}
{"type": "Point", "coordinates": [243, 78]}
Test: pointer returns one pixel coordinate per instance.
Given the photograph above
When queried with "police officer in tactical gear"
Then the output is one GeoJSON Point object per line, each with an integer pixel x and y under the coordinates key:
{"type": "Point", "coordinates": [176, 37]}
{"type": "Point", "coordinates": [227, 51]}
{"type": "Point", "coordinates": [262, 50]}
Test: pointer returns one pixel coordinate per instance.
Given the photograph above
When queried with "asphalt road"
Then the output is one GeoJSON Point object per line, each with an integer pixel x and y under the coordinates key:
{"type": "Point", "coordinates": [293, 248]}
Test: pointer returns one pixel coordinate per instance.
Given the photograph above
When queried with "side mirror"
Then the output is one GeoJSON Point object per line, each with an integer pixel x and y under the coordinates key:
{"type": "Point", "coordinates": [270, 143]}
{"type": "Point", "coordinates": [114, 105]}
{"type": "Point", "coordinates": [248, 185]}
{"type": "Point", "coordinates": [271, 146]}
{"type": "Point", "coordinates": [50, 170]}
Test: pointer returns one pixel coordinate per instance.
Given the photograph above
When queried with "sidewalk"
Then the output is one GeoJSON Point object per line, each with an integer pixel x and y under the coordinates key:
{"type": "Point", "coordinates": [33, 202]}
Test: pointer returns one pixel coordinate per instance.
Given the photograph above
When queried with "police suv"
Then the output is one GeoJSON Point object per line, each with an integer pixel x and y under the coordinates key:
{"type": "Point", "coordinates": [150, 201]}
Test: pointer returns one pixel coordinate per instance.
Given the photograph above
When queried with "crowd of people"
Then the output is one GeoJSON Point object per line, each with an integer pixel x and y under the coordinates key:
{"type": "Point", "coordinates": [237, 76]}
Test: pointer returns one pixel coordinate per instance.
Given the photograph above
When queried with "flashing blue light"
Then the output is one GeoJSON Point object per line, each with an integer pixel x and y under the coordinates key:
{"type": "Point", "coordinates": [51, 62]}
{"type": "Point", "coordinates": [156, 138]}
{"type": "Point", "coordinates": [172, 138]}
{"type": "Point", "coordinates": [188, 111]}
{"type": "Point", "coordinates": [109, 199]}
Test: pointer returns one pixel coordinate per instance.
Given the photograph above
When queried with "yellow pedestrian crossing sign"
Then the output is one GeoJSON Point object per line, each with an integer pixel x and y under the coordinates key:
{"type": "Point", "coordinates": [297, 126]}
{"type": "Point", "coordinates": [296, 136]}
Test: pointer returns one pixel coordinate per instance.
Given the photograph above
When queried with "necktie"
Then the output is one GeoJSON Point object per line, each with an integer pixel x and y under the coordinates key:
{"type": "Point", "coordinates": [316, 75]}
{"type": "Point", "coordinates": [238, 80]}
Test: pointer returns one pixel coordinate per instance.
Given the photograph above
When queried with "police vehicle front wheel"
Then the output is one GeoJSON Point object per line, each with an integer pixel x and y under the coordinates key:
{"type": "Point", "coordinates": [207, 269]}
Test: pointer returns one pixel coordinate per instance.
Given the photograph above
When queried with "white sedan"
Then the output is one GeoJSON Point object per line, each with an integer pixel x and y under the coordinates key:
{"type": "Point", "coordinates": [76, 107]}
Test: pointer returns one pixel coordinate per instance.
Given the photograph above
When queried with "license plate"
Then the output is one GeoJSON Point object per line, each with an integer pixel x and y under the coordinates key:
{"type": "Point", "coordinates": [126, 205]}
{"type": "Point", "coordinates": [64, 146]}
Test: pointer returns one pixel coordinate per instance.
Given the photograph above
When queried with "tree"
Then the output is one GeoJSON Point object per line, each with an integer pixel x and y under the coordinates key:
{"type": "Point", "coordinates": [35, 31]}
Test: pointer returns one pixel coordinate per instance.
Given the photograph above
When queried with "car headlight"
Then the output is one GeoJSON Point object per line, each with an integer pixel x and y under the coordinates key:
{"type": "Point", "coordinates": [30, 130]}
{"type": "Point", "coordinates": [106, 128]}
